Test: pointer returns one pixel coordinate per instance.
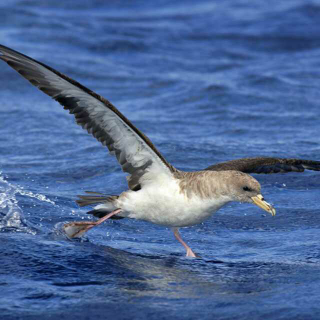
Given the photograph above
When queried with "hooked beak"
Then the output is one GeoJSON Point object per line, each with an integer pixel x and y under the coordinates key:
{"type": "Point", "coordinates": [260, 202]}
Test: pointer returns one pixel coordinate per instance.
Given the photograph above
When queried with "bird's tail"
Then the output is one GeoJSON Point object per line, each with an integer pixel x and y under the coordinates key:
{"type": "Point", "coordinates": [106, 203]}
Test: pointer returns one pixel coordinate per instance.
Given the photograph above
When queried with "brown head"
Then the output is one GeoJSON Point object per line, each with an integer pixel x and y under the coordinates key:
{"type": "Point", "coordinates": [231, 185]}
{"type": "Point", "coordinates": [244, 188]}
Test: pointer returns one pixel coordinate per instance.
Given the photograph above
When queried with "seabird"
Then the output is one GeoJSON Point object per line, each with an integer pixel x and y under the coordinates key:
{"type": "Point", "coordinates": [158, 192]}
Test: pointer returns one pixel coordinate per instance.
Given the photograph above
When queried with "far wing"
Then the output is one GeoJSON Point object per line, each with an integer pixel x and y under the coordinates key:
{"type": "Point", "coordinates": [266, 165]}
{"type": "Point", "coordinates": [134, 151]}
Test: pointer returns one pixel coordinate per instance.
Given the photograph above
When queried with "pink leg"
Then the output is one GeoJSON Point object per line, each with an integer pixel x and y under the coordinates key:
{"type": "Point", "coordinates": [77, 229]}
{"type": "Point", "coordinates": [190, 253]}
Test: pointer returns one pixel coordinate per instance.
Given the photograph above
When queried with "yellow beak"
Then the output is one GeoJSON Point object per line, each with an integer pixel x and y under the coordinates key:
{"type": "Point", "coordinates": [260, 202]}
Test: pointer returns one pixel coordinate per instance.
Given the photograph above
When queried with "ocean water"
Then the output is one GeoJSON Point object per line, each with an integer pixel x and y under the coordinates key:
{"type": "Point", "coordinates": [207, 81]}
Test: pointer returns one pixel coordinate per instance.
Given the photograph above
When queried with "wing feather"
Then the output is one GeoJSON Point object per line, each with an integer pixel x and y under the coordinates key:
{"type": "Point", "coordinates": [266, 165]}
{"type": "Point", "coordinates": [134, 151]}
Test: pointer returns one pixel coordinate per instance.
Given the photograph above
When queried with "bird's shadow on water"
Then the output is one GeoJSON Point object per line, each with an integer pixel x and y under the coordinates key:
{"type": "Point", "coordinates": [134, 274]}
{"type": "Point", "coordinates": [173, 276]}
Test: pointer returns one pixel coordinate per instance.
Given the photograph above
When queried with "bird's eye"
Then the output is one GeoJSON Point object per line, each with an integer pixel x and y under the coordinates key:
{"type": "Point", "coordinates": [247, 189]}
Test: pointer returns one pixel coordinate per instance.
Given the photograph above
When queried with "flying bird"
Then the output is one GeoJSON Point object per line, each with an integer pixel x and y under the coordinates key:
{"type": "Point", "coordinates": [158, 192]}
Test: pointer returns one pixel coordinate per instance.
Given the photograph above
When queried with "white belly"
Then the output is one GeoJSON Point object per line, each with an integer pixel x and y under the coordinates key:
{"type": "Point", "coordinates": [165, 205]}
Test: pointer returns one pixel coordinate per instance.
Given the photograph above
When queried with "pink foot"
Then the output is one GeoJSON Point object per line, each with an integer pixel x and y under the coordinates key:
{"type": "Point", "coordinates": [77, 229]}
{"type": "Point", "coordinates": [190, 253]}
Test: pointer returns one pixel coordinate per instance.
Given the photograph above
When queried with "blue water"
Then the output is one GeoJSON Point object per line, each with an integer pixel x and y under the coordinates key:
{"type": "Point", "coordinates": [207, 81]}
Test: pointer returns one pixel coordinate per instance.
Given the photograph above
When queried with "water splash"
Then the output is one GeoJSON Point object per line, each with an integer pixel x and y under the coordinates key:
{"type": "Point", "coordinates": [21, 191]}
{"type": "Point", "coordinates": [11, 215]}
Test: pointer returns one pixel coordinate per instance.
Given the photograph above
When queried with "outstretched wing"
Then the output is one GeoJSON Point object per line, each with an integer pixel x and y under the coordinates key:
{"type": "Point", "coordinates": [266, 165]}
{"type": "Point", "coordinates": [134, 151]}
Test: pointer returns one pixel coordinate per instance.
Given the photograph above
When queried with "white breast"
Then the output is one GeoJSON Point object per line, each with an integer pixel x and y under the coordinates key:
{"type": "Point", "coordinates": [163, 203]}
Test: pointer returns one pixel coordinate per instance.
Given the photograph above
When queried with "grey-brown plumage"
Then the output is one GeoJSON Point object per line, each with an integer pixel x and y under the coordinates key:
{"type": "Point", "coordinates": [266, 165]}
